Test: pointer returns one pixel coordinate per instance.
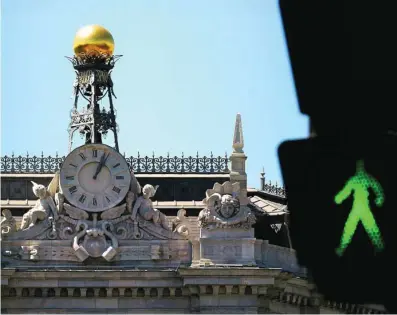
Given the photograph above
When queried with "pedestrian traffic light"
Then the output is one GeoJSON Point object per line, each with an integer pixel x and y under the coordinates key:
{"type": "Point", "coordinates": [342, 197]}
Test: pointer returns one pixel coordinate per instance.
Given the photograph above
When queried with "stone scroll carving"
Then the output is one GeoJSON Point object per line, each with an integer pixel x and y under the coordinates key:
{"type": "Point", "coordinates": [181, 224]}
{"type": "Point", "coordinates": [8, 223]}
{"type": "Point", "coordinates": [223, 209]}
{"type": "Point", "coordinates": [94, 241]}
{"type": "Point", "coordinates": [83, 234]}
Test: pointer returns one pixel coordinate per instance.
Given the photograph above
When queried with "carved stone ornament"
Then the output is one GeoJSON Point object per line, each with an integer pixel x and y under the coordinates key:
{"type": "Point", "coordinates": [144, 207]}
{"type": "Point", "coordinates": [8, 223]}
{"type": "Point", "coordinates": [181, 224]}
{"type": "Point", "coordinates": [47, 206]}
{"type": "Point", "coordinates": [82, 234]}
{"type": "Point", "coordinates": [223, 209]}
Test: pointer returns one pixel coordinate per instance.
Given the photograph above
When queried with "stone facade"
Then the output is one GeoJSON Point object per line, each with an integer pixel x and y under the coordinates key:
{"type": "Point", "coordinates": [134, 259]}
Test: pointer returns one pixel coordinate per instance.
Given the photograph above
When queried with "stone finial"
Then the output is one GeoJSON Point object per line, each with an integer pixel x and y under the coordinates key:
{"type": "Point", "coordinates": [263, 179]}
{"type": "Point", "coordinates": [238, 139]}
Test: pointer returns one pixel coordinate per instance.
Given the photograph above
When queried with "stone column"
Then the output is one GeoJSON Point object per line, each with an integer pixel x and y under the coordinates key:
{"type": "Point", "coordinates": [237, 159]}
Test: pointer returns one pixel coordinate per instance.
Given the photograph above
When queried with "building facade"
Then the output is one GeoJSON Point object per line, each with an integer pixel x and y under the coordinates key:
{"type": "Point", "coordinates": [191, 278]}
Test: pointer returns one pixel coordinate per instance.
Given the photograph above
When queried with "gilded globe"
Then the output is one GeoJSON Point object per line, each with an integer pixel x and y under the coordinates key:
{"type": "Point", "coordinates": [93, 39]}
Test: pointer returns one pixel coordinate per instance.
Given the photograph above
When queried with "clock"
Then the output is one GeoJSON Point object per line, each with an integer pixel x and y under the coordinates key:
{"type": "Point", "coordinates": [95, 177]}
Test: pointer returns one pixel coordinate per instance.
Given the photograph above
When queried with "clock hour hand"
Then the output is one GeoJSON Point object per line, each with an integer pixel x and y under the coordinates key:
{"type": "Point", "coordinates": [101, 164]}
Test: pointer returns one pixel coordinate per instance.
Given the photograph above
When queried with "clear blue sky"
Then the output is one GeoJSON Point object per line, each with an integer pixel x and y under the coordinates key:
{"type": "Point", "coordinates": [188, 68]}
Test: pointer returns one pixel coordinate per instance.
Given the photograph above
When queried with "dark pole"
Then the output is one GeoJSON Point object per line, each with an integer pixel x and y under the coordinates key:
{"type": "Point", "coordinates": [113, 118]}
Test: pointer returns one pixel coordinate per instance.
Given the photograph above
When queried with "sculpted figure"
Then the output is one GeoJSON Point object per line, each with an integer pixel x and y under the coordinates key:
{"type": "Point", "coordinates": [8, 223]}
{"type": "Point", "coordinates": [45, 206]}
{"type": "Point", "coordinates": [223, 208]}
{"type": "Point", "coordinates": [144, 207]}
{"type": "Point", "coordinates": [228, 207]}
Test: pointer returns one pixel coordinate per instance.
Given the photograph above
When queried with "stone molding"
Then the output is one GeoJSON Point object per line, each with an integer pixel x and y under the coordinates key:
{"type": "Point", "coordinates": [194, 288]}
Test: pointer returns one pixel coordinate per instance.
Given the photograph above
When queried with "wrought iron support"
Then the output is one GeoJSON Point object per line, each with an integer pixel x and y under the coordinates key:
{"type": "Point", "coordinates": [113, 118]}
{"type": "Point", "coordinates": [93, 80]}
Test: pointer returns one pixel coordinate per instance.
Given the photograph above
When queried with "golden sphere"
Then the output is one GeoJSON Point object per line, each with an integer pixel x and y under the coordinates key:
{"type": "Point", "coordinates": [93, 38]}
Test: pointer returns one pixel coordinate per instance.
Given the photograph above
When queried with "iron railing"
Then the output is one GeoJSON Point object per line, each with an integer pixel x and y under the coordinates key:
{"type": "Point", "coordinates": [139, 165]}
{"type": "Point", "coordinates": [274, 189]}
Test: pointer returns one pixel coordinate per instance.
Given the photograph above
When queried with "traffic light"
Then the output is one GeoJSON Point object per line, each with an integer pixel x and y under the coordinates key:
{"type": "Point", "coordinates": [342, 198]}
{"type": "Point", "coordinates": [344, 64]}
{"type": "Point", "coordinates": [341, 186]}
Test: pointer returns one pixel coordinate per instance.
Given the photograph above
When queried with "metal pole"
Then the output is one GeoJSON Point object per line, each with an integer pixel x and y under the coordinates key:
{"type": "Point", "coordinates": [94, 113]}
{"type": "Point", "coordinates": [113, 119]}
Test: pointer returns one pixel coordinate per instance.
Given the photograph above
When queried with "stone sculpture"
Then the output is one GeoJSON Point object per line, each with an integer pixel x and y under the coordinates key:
{"type": "Point", "coordinates": [45, 206]}
{"type": "Point", "coordinates": [181, 224]}
{"type": "Point", "coordinates": [8, 223]}
{"type": "Point", "coordinates": [144, 207]}
{"type": "Point", "coordinates": [132, 230]}
{"type": "Point", "coordinates": [223, 209]}
{"type": "Point", "coordinates": [226, 233]}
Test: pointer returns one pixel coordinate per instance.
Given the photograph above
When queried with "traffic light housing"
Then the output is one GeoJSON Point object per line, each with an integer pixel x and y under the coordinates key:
{"type": "Point", "coordinates": [336, 186]}
{"type": "Point", "coordinates": [343, 59]}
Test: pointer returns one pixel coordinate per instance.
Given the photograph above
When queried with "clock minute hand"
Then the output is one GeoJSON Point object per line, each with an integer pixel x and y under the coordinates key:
{"type": "Point", "coordinates": [101, 164]}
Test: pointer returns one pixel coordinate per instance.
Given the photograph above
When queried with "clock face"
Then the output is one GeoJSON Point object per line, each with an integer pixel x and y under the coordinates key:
{"type": "Point", "coordinates": [95, 177]}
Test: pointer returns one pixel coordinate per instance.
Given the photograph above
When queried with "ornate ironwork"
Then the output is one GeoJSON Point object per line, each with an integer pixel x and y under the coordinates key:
{"type": "Point", "coordinates": [139, 165]}
{"type": "Point", "coordinates": [274, 189]}
{"type": "Point", "coordinates": [82, 118]}
{"type": "Point", "coordinates": [95, 59]}
{"type": "Point", "coordinates": [93, 82]}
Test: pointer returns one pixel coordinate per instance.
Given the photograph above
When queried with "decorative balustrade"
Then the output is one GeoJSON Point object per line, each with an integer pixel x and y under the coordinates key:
{"type": "Point", "coordinates": [274, 189]}
{"type": "Point", "coordinates": [140, 165]}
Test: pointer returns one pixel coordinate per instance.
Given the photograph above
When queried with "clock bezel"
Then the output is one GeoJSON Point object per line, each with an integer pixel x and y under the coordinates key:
{"type": "Point", "coordinates": [64, 184]}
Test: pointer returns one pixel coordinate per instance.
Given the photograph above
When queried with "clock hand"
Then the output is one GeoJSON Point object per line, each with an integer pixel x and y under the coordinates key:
{"type": "Point", "coordinates": [101, 164]}
{"type": "Point", "coordinates": [98, 169]}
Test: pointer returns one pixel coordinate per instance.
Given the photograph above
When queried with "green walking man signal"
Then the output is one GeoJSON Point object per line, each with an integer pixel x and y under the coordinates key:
{"type": "Point", "coordinates": [359, 185]}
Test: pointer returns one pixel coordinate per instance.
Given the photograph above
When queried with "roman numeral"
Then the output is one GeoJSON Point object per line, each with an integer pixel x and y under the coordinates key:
{"type": "Point", "coordinates": [72, 189]}
{"type": "Point", "coordinates": [82, 198]}
{"type": "Point", "coordinates": [119, 177]}
{"type": "Point", "coordinates": [70, 177]}
{"type": "Point", "coordinates": [95, 153]}
{"type": "Point", "coordinates": [108, 200]}
{"type": "Point", "coordinates": [72, 165]}
{"type": "Point", "coordinates": [94, 202]}
{"type": "Point", "coordinates": [116, 189]}
{"type": "Point", "coordinates": [114, 166]}
{"type": "Point", "coordinates": [82, 156]}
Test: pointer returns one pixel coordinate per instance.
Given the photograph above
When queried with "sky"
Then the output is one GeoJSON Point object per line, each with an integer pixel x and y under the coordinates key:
{"type": "Point", "coordinates": [188, 68]}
